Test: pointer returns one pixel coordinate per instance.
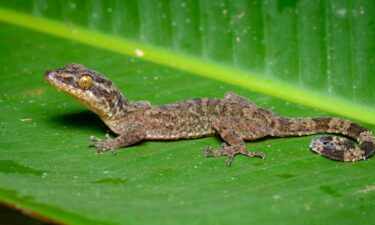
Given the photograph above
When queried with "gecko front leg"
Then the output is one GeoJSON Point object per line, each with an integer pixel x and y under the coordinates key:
{"type": "Point", "coordinates": [234, 143]}
{"type": "Point", "coordinates": [131, 136]}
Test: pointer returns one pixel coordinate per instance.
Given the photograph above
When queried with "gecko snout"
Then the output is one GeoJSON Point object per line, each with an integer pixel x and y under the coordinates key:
{"type": "Point", "coordinates": [49, 75]}
{"type": "Point", "coordinates": [46, 74]}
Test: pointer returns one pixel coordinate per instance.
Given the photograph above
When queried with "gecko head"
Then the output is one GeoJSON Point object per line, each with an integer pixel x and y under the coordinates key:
{"type": "Point", "coordinates": [91, 88]}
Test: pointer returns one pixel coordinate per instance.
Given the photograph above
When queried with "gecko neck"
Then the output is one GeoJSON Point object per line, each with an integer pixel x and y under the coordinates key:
{"type": "Point", "coordinates": [113, 107]}
{"type": "Point", "coordinates": [119, 106]}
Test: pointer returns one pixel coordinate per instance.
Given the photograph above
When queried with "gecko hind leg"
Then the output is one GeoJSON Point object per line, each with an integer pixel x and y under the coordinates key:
{"type": "Point", "coordinates": [235, 141]}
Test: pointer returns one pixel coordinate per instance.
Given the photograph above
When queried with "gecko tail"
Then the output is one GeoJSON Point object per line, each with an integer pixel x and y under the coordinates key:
{"type": "Point", "coordinates": [343, 149]}
{"type": "Point", "coordinates": [334, 147]}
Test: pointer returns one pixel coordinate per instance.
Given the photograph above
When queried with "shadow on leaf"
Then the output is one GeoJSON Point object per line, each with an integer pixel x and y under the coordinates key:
{"type": "Point", "coordinates": [83, 119]}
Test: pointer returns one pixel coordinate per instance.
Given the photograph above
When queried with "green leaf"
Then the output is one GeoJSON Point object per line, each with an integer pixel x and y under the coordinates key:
{"type": "Point", "coordinates": [318, 53]}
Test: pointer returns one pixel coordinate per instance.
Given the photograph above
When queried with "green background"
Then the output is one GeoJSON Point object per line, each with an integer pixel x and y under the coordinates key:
{"type": "Point", "coordinates": [323, 47]}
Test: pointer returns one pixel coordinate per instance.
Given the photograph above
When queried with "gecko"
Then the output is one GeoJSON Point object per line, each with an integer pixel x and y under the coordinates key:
{"type": "Point", "coordinates": [234, 118]}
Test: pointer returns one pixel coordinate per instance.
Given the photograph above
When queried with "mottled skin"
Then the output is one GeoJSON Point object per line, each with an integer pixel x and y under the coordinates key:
{"type": "Point", "coordinates": [234, 118]}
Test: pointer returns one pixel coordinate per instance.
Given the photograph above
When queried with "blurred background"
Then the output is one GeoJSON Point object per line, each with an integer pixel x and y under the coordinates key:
{"type": "Point", "coordinates": [327, 46]}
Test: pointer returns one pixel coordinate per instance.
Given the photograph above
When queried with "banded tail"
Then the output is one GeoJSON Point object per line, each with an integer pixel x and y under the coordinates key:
{"type": "Point", "coordinates": [332, 147]}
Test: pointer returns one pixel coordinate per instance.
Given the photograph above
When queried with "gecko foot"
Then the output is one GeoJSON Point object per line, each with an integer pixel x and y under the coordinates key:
{"type": "Point", "coordinates": [102, 145]}
{"type": "Point", "coordinates": [230, 152]}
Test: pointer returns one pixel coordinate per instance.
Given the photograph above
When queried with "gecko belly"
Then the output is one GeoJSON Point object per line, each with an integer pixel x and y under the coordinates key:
{"type": "Point", "coordinates": [175, 135]}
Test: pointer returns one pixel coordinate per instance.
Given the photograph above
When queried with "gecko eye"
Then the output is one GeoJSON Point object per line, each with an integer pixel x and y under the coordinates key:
{"type": "Point", "coordinates": [85, 82]}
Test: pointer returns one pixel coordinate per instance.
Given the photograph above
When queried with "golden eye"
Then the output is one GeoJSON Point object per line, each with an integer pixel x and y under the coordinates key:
{"type": "Point", "coordinates": [85, 82]}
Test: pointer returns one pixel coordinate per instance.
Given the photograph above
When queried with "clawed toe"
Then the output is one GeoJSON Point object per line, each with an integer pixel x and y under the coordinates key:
{"type": "Point", "coordinates": [260, 155]}
{"type": "Point", "coordinates": [224, 145]}
{"type": "Point", "coordinates": [253, 154]}
{"type": "Point", "coordinates": [94, 141]}
{"type": "Point", "coordinates": [208, 151]}
{"type": "Point", "coordinates": [94, 138]}
{"type": "Point", "coordinates": [100, 149]}
{"type": "Point", "coordinates": [107, 136]}
{"type": "Point", "coordinates": [229, 159]}
{"type": "Point", "coordinates": [114, 151]}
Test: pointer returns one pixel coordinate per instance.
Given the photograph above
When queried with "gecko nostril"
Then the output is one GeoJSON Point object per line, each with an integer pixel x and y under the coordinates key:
{"type": "Point", "coordinates": [47, 74]}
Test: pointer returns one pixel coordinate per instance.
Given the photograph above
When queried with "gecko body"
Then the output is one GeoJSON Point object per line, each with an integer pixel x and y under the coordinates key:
{"type": "Point", "coordinates": [234, 118]}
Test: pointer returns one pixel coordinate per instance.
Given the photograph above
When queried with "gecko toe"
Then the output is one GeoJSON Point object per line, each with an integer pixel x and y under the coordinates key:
{"type": "Point", "coordinates": [254, 154]}
{"type": "Point", "coordinates": [229, 159]}
{"type": "Point", "coordinates": [101, 148]}
{"type": "Point", "coordinates": [94, 138]}
{"type": "Point", "coordinates": [224, 145]}
{"type": "Point", "coordinates": [93, 144]}
{"type": "Point", "coordinates": [107, 137]}
{"type": "Point", "coordinates": [114, 151]}
{"type": "Point", "coordinates": [260, 155]}
{"type": "Point", "coordinates": [94, 141]}
{"type": "Point", "coordinates": [208, 151]}
{"type": "Point", "coordinates": [99, 151]}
